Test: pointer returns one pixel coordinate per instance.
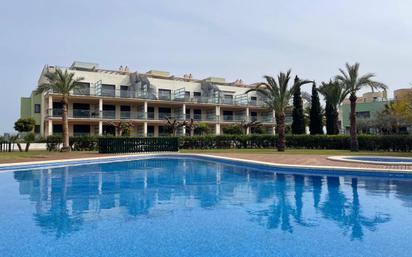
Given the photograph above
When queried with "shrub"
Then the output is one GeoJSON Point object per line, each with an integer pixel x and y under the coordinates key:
{"type": "Point", "coordinates": [85, 143]}
{"type": "Point", "coordinates": [338, 142]}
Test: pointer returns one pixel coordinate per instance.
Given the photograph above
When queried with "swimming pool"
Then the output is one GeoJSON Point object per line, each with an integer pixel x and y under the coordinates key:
{"type": "Point", "coordinates": [389, 160]}
{"type": "Point", "coordinates": [192, 206]}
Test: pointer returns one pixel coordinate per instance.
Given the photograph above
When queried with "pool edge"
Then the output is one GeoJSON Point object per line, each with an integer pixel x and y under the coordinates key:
{"type": "Point", "coordinates": [126, 157]}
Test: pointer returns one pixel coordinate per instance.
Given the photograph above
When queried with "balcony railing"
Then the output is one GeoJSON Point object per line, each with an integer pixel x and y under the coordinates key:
{"type": "Point", "coordinates": [110, 114]}
{"type": "Point", "coordinates": [127, 94]}
{"type": "Point", "coordinates": [80, 113]}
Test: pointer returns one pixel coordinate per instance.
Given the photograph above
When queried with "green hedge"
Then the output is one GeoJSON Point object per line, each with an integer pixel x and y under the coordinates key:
{"type": "Point", "coordinates": [86, 143]}
{"type": "Point", "coordinates": [396, 143]}
{"type": "Point", "coordinates": [340, 142]}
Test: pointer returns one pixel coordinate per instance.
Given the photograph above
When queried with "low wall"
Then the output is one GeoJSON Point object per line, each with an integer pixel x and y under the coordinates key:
{"type": "Point", "coordinates": [33, 146]}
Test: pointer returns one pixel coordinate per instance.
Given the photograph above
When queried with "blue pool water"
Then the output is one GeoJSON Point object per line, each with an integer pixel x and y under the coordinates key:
{"type": "Point", "coordinates": [201, 207]}
{"type": "Point", "coordinates": [400, 160]}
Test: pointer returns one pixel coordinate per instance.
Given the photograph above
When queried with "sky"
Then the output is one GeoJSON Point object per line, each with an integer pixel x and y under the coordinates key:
{"type": "Point", "coordinates": [233, 39]}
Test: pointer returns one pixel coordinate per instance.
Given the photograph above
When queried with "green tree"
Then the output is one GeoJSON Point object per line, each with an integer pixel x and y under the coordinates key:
{"type": "Point", "coordinates": [173, 125]}
{"type": "Point", "coordinates": [277, 96]}
{"type": "Point", "coordinates": [353, 82]}
{"type": "Point", "coordinates": [315, 124]}
{"type": "Point", "coordinates": [61, 83]}
{"type": "Point", "coordinates": [334, 94]}
{"type": "Point", "coordinates": [251, 125]}
{"type": "Point", "coordinates": [24, 126]}
{"type": "Point", "coordinates": [298, 124]}
{"type": "Point", "coordinates": [234, 129]}
{"type": "Point", "coordinates": [201, 129]}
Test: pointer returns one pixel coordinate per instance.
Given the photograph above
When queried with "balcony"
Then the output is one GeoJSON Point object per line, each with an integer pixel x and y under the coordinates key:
{"type": "Point", "coordinates": [109, 114]}
{"type": "Point", "coordinates": [80, 113]}
{"type": "Point", "coordinates": [129, 94]}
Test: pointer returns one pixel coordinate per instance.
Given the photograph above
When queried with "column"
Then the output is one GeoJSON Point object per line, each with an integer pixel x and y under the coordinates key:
{"type": "Point", "coordinates": [274, 122]}
{"type": "Point", "coordinates": [145, 110]}
{"type": "Point", "coordinates": [100, 128]}
{"type": "Point", "coordinates": [218, 120]}
{"type": "Point", "coordinates": [184, 118]}
{"type": "Point", "coordinates": [100, 108]}
{"type": "Point", "coordinates": [145, 129]}
{"type": "Point", "coordinates": [50, 104]}
{"type": "Point", "coordinates": [247, 120]}
{"type": "Point", "coordinates": [50, 128]}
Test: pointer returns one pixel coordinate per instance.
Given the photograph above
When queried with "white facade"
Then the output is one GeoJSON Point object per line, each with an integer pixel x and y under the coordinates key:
{"type": "Point", "coordinates": [144, 100]}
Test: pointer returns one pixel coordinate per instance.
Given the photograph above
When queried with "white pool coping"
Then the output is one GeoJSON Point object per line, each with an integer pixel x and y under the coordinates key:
{"type": "Point", "coordinates": [347, 159]}
{"type": "Point", "coordinates": [129, 157]}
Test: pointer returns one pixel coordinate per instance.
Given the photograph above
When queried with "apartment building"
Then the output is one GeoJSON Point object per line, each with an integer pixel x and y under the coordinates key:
{"type": "Point", "coordinates": [367, 107]}
{"type": "Point", "coordinates": [106, 98]}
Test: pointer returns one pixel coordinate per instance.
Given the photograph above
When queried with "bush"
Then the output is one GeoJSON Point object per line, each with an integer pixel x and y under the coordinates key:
{"type": "Point", "coordinates": [339, 142]}
{"type": "Point", "coordinates": [85, 143]}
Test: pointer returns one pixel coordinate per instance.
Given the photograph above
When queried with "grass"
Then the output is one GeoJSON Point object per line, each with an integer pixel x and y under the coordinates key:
{"type": "Point", "coordinates": [39, 155]}
{"type": "Point", "coordinates": [299, 151]}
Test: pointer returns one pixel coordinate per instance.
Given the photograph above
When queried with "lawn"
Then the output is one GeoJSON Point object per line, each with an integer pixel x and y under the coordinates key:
{"type": "Point", "coordinates": [41, 155]}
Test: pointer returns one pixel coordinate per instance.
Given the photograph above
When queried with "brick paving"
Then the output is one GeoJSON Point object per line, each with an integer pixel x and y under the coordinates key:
{"type": "Point", "coordinates": [306, 160]}
{"type": "Point", "coordinates": [295, 159]}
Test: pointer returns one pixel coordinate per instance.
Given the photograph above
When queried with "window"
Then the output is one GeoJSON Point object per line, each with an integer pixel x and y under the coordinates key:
{"type": "Point", "coordinates": [363, 115]}
{"type": "Point", "coordinates": [57, 129]}
{"type": "Point", "coordinates": [81, 110]}
{"type": "Point", "coordinates": [109, 111]}
{"type": "Point", "coordinates": [125, 92]}
{"type": "Point", "coordinates": [253, 116]}
{"type": "Point", "coordinates": [165, 94]}
{"type": "Point", "coordinates": [253, 100]}
{"type": "Point", "coordinates": [81, 130]}
{"type": "Point", "coordinates": [187, 94]}
{"type": "Point", "coordinates": [197, 94]}
{"type": "Point", "coordinates": [164, 112]}
{"type": "Point", "coordinates": [150, 113]}
{"type": "Point", "coordinates": [227, 115]}
{"type": "Point", "coordinates": [82, 88]}
{"type": "Point", "coordinates": [37, 129]}
{"type": "Point", "coordinates": [228, 99]}
{"type": "Point", "coordinates": [125, 112]}
{"type": "Point", "coordinates": [37, 108]}
{"type": "Point", "coordinates": [108, 90]}
{"type": "Point", "coordinates": [197, 114]}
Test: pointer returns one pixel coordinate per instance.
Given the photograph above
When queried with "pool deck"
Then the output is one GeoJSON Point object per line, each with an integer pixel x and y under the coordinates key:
{"type": "Point", "coordinates": [282, 159]}
{"type": "Point", "coordinates": [307, 160]}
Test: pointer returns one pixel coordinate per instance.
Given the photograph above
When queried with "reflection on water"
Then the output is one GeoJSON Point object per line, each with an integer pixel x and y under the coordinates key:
{"type": "Point", "coordinates": [67, 198]}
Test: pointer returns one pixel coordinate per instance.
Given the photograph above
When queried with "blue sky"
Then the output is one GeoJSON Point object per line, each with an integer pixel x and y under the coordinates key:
{"type": "Point", "coordinates": [231, 39]}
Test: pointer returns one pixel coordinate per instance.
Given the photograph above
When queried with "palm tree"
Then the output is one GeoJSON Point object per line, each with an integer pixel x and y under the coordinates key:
{"type": "Point", "coordinates": [277, 96]}
{"type": "Point", "coordinates": [334, 94]}
{"type": "Point", "coordinates": [352, 81]}
{"type": "Point", "coordinates": [61, 83]}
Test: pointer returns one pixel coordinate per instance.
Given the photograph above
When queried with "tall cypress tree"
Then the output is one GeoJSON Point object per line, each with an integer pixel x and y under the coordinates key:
{"type": "Point", "coordinates": [316, 124]}
{"type": "Point", "coordinates": [298, 124]}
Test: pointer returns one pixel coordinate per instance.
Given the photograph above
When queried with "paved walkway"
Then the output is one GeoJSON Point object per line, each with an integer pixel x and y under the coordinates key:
{"type": "Point", "coordinates": [295, 159]}
{"type": "Point", "coordinates": [306, 160]}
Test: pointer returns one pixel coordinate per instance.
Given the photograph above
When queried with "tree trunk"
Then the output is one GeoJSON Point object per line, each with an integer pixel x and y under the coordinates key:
{"type": "Point", "coordinates": [27, 146]}
{"type": "Point", "coordinates": [19, 146]}
{"type": "Point", "coordinates": [335, 121]}
{"type": "Point", "coordinates": [66, 144]}
{"type": "Point", "coordinates": [280, 124]}
{"type": "Point", "coordinates": [352, 117]}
